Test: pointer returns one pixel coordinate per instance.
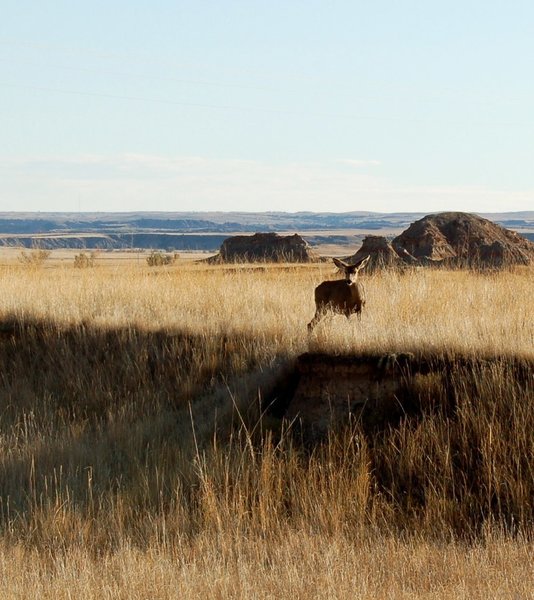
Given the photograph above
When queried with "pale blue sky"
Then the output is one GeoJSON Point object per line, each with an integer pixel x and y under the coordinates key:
{"type": "Point", "coordinates": [322, 106]}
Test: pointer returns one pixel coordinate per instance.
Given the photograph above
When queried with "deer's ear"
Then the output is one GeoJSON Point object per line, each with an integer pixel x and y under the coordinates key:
{"type": "Point", "coordinates": [362, 263]}
{"type": "Point", "coordinates": [339, 263]}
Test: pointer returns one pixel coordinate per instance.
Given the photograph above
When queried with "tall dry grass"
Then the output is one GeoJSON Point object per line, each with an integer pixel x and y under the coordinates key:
{"type": "Point", "coordinates": [458, 310]}
{"type": "Point", "coordinates": [298, 565]}
{"type": "Point", "coordinates": [132, 465]}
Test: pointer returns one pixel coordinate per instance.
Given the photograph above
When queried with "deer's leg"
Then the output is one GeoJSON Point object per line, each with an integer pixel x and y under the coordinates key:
{"type": "Point", "coordinates": [358, 310]}
{"type": "Point", "coordinates": [320, 312]}
{"type": "Point", "coordinates": [314, 321]}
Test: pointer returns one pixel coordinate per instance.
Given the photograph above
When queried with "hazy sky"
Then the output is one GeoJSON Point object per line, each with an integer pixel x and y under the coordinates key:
{"type": "Point", "coordinates": [233, 105]}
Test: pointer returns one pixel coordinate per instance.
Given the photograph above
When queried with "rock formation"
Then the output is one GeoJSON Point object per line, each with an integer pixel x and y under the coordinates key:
{"type": "Point", "coordinates": [265, 247]}
{"type": "Point", "coordinates": [463, 239]}
{"type": "Point", "coordinates": [382, 254]}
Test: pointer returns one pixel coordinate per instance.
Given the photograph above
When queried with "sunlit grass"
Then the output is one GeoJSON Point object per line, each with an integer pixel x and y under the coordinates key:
{"type": "Point", "coordinates": [458, 310]}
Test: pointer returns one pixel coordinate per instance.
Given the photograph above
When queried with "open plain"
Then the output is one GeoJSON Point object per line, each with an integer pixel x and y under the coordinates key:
{"type": "Point", "coordinates": [136, 459]}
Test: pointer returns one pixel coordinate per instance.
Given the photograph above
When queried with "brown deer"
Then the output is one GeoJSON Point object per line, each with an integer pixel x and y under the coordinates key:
{"type": "Point", "coordinates": [342, 295]}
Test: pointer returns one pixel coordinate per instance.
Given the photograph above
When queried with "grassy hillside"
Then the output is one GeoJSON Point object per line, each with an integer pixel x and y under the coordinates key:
{"type": "Point", "coordinates": [134, 462]}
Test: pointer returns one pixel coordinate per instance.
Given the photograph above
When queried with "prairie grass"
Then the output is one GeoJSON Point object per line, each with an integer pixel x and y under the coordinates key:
{"type": "Point", "coordinates": [462, 311]}
{"type": "Point", "coordinates": [133, 462]}
{"type": "Point", "coordinates": [297, 565]}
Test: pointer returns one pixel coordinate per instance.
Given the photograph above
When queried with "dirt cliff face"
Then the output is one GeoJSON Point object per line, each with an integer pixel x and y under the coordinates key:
{"type": "Point", "coordinates": [265, 247]}
{"type": "Point", "coordinates": [331, 388]}
{"type": "Point", "coordinates": [321, 393]}
{"type": "Point", "coordinates": [464, 239]}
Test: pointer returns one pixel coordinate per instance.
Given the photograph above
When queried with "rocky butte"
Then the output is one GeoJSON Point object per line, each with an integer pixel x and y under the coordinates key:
{"type": "Point", "coordinates": [453, 239]}
{"type": "Point", "coordinates": [265, 247]}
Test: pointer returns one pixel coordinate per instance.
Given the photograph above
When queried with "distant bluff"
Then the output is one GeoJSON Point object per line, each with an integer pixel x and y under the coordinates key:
{"type": "Point", "coordinates": [463, 239]}
{"type": "Point", "coordinates": [449, 238]}
{"type": "Point", "coordinates": [265, 247]}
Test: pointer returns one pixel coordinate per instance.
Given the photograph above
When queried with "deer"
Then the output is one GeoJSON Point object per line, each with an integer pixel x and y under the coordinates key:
{"type": "Point", "coordinates": [341, 295]}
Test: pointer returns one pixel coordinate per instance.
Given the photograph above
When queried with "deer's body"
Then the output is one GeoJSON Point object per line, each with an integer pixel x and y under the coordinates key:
{"type": "Point", "coordinates": [345, 296]}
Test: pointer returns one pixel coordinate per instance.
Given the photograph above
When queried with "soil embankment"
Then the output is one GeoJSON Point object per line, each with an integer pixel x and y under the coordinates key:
{"type": "Point", "coordinates": [322, 392]}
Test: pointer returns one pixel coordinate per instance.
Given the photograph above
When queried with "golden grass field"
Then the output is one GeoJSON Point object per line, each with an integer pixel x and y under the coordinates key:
{"type": "Point", "coordinates": [134, 464]}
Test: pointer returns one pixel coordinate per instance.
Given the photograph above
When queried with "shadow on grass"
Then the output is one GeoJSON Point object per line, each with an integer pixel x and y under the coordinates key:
{"type": "Point", "coordinates": [86, 411]}
{"type": "Point", "coordinates": [96, 429]}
